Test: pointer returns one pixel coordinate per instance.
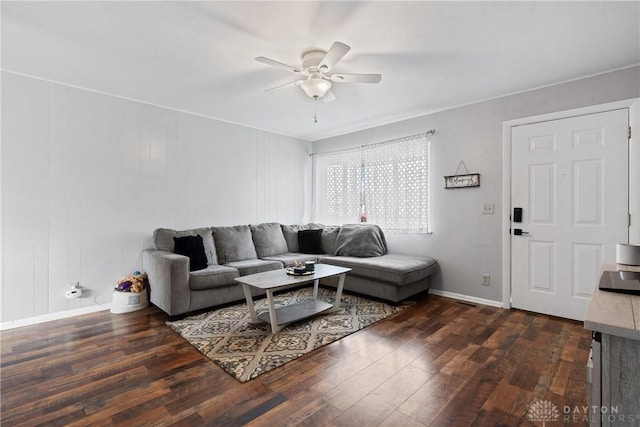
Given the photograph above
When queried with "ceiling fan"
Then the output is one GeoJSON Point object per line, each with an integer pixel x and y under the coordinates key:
{"type": "Point", "coordinates": [315, 76]}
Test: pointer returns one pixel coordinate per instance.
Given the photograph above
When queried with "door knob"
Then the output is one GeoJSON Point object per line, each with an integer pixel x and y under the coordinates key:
{"type": "Point", "coordinates": [519, 232]}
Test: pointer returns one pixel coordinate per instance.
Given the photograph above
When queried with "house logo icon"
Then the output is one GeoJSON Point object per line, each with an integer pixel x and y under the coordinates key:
{"type": "Point", "coordinates": [544, 411]}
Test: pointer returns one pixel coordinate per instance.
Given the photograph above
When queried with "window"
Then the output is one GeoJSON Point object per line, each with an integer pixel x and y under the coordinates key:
{"type": "Point", "coordinates": [385, 184]}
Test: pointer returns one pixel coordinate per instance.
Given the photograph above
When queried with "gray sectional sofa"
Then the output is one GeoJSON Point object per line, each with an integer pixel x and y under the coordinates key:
{"type": "Point", "coordinates": [195, 269]}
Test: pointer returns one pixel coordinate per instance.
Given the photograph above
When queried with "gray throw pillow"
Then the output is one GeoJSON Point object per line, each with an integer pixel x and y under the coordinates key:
{"type": "Point", "coordinates": [361, 240]}
{"type": "Point", "coordinates": [290, 233]}
{"type": "Point", "coordinates": [163, 239]}
{"type": "Point", "coordinates": [234, 243]}
{"type": "Point", "coordinates": [268, 239]}
{"type": "Point", "coordinates": [329, 236]}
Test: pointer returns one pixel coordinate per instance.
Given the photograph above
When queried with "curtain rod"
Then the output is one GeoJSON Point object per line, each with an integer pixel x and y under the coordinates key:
{"type": "Point", "coordinates": [430, 132]}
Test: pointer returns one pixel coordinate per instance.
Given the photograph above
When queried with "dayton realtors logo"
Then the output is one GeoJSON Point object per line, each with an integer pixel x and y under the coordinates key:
{"type": "Point", "coordinates": [544, 411]}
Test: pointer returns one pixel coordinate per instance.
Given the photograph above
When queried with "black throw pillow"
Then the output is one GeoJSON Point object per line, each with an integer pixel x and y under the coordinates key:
{"type": "Point", "coordinates": [192, 247]}
{"type": "Point", "coordinates": [310, 241]}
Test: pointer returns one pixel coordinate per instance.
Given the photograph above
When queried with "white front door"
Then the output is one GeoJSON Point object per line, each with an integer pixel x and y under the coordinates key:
{"type": "Point", "coordinates": [570, 178]}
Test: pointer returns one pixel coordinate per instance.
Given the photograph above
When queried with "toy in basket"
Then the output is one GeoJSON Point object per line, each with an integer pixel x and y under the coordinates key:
{"type": "Point", "coordinates": [131, 294]}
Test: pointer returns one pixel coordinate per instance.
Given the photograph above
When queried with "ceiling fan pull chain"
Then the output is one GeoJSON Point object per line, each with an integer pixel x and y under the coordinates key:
{"type": "Point", "coordinates": [315, 109]}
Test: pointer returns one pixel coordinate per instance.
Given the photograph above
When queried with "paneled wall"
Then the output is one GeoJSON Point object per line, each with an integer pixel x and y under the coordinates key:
{"type": "Point", "coordinates": [87, 177]}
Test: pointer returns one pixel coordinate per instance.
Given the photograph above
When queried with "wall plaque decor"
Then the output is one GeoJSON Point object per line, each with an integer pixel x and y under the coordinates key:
{"type": "Point", "coordinates": [462, 180]}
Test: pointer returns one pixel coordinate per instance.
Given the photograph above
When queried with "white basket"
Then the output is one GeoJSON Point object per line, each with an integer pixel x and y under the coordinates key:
{"type": "Point", "coordinates": [126, 302]}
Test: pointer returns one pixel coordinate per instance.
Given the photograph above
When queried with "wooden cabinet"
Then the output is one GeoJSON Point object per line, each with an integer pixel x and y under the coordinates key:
{"type": "Point", "coordinates": [614, 374]}
{"type": "Point", "coordinates": [620, 379]}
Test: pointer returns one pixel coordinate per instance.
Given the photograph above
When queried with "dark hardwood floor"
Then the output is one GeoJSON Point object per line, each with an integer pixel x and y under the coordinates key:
{"type": "Point", "coordinates": [439, 363]}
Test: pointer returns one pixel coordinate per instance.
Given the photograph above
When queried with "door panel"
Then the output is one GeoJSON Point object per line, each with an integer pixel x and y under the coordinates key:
{"type": "Point", "coordinates": [542, 201]}
{"type": "Point", "coordinates": [570, 176]}
{"type": "Point", "coordinates": [587, 259]}
{"type": "Point", "coordinates": [587, 192]}
{"type": "Point", "coordinates": [542, 266]}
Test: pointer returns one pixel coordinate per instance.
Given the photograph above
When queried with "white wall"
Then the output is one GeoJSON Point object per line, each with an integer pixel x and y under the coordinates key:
{"type": "Point", "coordinates": [466, 243]}
{"type": "Point", "coordinates": [87, 177]}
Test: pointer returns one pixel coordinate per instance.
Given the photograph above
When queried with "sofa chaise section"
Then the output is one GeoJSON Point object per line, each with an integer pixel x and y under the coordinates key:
{"type": "Point", "coordinates": [375, 272]}
{"type": "Point", "coordinates": [391, 277]}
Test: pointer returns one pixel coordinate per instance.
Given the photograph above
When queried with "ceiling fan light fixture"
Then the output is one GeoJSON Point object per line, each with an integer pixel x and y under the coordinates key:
{"type": "Point", "coordinates": [316, 87]}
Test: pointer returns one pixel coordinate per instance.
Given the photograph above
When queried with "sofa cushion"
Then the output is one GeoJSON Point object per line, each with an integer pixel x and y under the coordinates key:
{"type": "Point", "coordinates": [310, 241]}
{"type": "Point", "coordinates": [234, 243]}
{"type": "Point", "coordinates": [252, 266]}
{"type": "Point", "coordinates": [394, 268]}
{"type": "Point", "coordinates": [290, 233]}
{"type": "Point", "coordinates": [329, 237]}
{"type": "Point", "coordinates": [289, 258]}
{"type": "Point", "coordinates": [192, 247]}
{"type": "Point", "coordinates": [360, 240]}
{"type": "Point", "coordinates": [268, 239]}
{"type": "Point", "coordinates": [163, 239]}
{"type": "Point", "coordinates": [214, 276]}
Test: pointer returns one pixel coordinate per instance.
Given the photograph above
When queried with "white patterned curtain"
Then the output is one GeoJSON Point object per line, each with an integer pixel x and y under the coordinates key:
{"type": "Point", "coordinates": [337, 188]}
{"type": "Point", "coordinates": [387, 182]}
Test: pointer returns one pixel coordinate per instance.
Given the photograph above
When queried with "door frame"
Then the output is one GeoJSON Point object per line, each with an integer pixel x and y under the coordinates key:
{"type": "Point", "coordinates": [633, 104]}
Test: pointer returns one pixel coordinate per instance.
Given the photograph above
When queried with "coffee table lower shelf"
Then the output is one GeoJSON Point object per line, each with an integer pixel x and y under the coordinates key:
{"type": "Point", "coordinates": [272, 280]}
{"type": "Point", "coordinates": [291, 313]}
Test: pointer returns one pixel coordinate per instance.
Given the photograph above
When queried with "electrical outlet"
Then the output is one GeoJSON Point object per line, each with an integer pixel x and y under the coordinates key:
{"type": "Point", "coordinates": [74, 293]}
{"type": "Point", "coordinates": [486, 279]}
{"type": "Point", "coordinates": [486, 208]}
{"type": "Point", "coordinates": [74, 290]}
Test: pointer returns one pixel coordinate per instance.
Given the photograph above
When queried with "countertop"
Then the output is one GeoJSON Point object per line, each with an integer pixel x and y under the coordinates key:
{"type": "Point", "coordinates": [614, 313]}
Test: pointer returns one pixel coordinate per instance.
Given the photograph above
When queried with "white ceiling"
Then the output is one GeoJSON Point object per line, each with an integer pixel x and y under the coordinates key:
{"type": "Point", "coordinates": [199, 56]}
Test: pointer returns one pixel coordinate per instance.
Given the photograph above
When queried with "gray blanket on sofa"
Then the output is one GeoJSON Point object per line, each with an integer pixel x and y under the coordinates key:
{"type": "Point", "coordinates": [361, 240]}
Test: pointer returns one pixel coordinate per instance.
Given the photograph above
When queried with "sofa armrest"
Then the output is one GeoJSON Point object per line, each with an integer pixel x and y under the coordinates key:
{"type": "Point", "coordinates": [168, 275]}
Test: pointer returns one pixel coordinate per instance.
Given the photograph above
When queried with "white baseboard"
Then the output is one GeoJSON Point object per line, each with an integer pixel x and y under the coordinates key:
{"type": "Point", "coordinates": [467, 298]}
{"type": "Point", "coordinates": [11, 324]}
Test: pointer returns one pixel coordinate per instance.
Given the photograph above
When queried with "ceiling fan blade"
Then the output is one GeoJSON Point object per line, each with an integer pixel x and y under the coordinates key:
{"type": "Point", "coordinates": [288, 84]}
{"type": "Point", "coordinates": [333, 55]}
{"type": "Point", "coordinates": [329, 96]}
{"type": "Point", "coordinates": [356, 78]}
{"type": "Point", "coordinates": [278, 64]}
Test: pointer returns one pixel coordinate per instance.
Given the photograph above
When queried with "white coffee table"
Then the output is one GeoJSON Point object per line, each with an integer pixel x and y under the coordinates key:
{"type": "Point", "coordinates": [273, 280]}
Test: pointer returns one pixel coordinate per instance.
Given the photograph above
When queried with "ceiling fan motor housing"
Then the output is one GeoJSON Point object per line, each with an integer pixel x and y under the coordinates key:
{"type": "Point", "coordinates": [312, 59]}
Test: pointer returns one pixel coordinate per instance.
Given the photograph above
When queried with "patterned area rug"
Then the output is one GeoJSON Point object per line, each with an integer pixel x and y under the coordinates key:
{"type": "Point", "coordinates": [245, 350]}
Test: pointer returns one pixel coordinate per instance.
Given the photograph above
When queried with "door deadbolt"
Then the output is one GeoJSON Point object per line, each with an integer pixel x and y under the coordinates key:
{"type": "Point", "coordinates": [517, 214]}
